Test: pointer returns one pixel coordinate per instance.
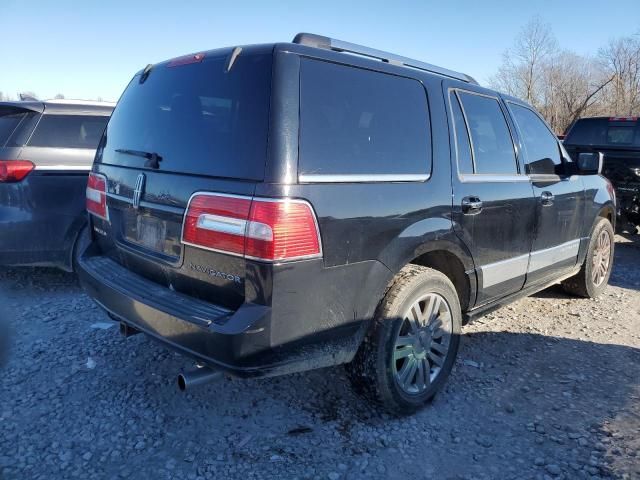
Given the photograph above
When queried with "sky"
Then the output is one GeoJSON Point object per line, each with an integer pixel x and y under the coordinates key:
{"type": "Point", "coordinates": [89, 49]}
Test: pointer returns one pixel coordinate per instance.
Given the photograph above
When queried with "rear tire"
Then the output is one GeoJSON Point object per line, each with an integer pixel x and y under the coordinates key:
{"type": "Point", "coordinates": [412, 345]}
{"type": "Point", "coordinates": [594, 275]}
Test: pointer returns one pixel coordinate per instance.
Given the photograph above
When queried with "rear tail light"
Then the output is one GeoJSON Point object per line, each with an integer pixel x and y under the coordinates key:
{"type": "Point", "coordinates": [186, 60]}
{"type": "Point", "coordinates": [258, 228]}
{"type": "Point", "coordinates": [12, 171]}
{"type": "Point", "coordinates": [623, 119]}
{"type": "Point", "coordinates": [97, 195]}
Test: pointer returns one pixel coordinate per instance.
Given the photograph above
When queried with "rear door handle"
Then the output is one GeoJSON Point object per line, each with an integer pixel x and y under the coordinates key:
{"type": "Point", "coordinates": [546, 198]}
{"type": "Point", "coordinates": [471, 205]}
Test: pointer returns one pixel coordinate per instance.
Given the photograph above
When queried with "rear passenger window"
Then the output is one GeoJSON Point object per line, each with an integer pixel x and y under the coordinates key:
{"type": "Point", "coordinates": [358, 122]}
{"type": "Point", "coordinates": [493, 151]}
{"type": "Point", "coordinates": [543, 152]}
{"type": "Point", "coordinates": [68, 131]}
{"type": "Point", "coordinates": [463, 146]}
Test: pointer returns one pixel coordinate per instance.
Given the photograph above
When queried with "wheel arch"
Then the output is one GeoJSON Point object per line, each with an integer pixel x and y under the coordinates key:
{"type": "Point", "coordinates": [444, 253]}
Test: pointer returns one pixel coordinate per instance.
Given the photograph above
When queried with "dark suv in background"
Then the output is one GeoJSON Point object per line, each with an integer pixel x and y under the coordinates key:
{"type": "Point", "coordinates": [46, 152]}
{"type": "Point", "coordinates": [618, 139]}
{"type": "Point", "coordinates": [268, 209]}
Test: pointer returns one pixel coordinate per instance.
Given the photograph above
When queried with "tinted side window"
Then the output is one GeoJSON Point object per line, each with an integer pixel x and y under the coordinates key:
{"type": "Point", "coordinates": [68, 131]}
{"type": "Point", "coordinates": [492, 145]}
{"type": "Point", "coordinates": [463, 145]}
{"type": "Point", "coordinates": [543, 153]}
{"type": "Point", "coordinates": [355, 121]}
{"type": "Point", "coordinates": [622, 133]}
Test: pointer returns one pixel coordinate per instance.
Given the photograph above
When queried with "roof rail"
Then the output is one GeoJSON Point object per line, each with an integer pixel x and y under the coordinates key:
{"type": "Point", "coordinates": [318, 41]}
{"type": "Point", "coordinates": [68, 101]}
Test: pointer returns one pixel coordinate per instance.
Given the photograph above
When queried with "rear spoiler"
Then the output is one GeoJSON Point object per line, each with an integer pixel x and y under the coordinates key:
{"type": "Point", "coordinates": [37, 107]}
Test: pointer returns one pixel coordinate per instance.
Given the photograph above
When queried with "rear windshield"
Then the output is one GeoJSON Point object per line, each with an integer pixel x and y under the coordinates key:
{"type": "Point", "coordinates": [10, 119]}
{"type": "Point", "coordinates": [197, 117]}
{"type": "Point", "coordinates": [68, 131]}
{"type": "Point", "coordinates": [602, 131]}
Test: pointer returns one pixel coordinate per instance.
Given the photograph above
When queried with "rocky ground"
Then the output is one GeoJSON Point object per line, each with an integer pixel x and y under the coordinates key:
{"type": "Point", "coordinates": [546, 388]}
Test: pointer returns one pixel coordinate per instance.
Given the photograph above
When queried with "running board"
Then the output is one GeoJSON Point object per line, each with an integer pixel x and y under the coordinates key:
{"type": "Point", "coordinates": [525, 292]}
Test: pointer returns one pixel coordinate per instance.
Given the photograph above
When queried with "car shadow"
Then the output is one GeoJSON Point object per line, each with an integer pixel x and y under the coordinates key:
{"type": "Point", "coordinates": [561, 398]}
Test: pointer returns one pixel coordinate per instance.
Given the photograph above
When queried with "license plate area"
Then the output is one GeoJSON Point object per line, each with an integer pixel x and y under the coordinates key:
{"type": "Point", "coordinates": [151, 233]}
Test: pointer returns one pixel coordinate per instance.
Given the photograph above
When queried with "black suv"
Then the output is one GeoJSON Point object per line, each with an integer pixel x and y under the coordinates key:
{"type": "Point", "coordinates": [268, 209]}
{"type": "Point", "coordinates": [46, 152]}
{"type": "Point", "coordinates": [618, 140]}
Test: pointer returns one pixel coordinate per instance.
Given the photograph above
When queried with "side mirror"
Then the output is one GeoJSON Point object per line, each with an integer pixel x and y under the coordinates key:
{"type": "Point", "coordinates": [590, 163]}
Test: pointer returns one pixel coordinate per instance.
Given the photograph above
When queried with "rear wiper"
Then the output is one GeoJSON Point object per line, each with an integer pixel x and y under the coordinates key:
{"type": "Point", "coordinates": [153, 159]}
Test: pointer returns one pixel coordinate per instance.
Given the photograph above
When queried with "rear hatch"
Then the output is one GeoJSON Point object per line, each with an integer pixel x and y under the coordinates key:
{"type": "Point", "coordinates": [196, 123]}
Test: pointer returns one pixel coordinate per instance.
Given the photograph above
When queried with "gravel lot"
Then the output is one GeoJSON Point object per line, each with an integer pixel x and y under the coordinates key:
{"type": "Point", "coordinates": [546, 388]}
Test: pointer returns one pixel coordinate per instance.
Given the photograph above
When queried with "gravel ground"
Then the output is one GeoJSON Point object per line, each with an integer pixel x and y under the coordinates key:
{"type": "Point", "coordinates": [545, 388]}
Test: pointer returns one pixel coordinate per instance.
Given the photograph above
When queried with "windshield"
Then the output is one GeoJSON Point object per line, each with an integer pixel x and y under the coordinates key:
{"type": "Point", "coordinates": [195, 118]}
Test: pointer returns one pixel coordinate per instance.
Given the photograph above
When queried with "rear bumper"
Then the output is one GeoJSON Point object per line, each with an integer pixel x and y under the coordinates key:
{"type": "Point", "coordinates": [254, 340]}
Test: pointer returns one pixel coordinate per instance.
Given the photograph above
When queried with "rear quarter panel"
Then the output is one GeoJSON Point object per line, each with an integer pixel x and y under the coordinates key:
{"type": "Point", "coordinates": [382, 226]}
{"type": "Point", "coordinates": [42, 215]}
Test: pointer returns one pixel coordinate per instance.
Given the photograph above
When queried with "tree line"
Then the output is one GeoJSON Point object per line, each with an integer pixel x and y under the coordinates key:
{"type": "Point", "coordinates": [563, 85]}
{"type": "Point", "coordinates": [5, 97]}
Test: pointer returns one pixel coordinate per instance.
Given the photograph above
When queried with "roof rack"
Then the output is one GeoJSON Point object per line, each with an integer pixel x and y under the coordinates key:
{"type": "Point", "coordinates": [318, 41]}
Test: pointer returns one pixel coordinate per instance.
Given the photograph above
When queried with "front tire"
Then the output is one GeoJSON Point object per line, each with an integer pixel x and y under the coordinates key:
{"type": "Point", "coordinates": [594, 275]}
{"type": "Point", "coordinates": [412, 345]}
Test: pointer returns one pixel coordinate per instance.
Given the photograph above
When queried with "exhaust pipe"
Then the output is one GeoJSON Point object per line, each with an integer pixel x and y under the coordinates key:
{"type": "Point", "coordinates": [199, 376]}
{"type": "Point", "coordinates": [127, 330]}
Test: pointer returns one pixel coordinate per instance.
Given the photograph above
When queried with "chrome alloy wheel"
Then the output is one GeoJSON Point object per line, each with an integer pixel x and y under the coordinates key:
{"type": "Point", "coordinates": [601, 258]}
{"type": "Point", "coordinates": [422, 343]}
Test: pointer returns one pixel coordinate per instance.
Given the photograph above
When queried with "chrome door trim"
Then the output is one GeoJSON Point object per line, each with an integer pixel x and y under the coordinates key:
{"type": "Point", "coordinates": [366, 178]}
{"type": "Point", "coordinates": [480, 177]}
{"type": "Point", "coordinates": [504, 270]}
{"type": "Point", "coordinates": [511, 268]}
{"type": "Point", "coordinates": [549, 256]}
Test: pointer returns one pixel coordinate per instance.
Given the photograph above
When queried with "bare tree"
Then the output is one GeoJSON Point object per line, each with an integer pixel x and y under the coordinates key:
{"type": "Point", "coordinates": [621, 59]}
{"type": "Point", "coordinates": [563, 85]}
{"type": "Point", "coordinates": [59, 96]}
{"type": "Point", "coordinates": [522, 66]}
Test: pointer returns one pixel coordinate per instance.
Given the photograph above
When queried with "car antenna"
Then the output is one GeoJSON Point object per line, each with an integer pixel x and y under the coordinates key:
{"type": "Point", "coordinates": [232, 58]}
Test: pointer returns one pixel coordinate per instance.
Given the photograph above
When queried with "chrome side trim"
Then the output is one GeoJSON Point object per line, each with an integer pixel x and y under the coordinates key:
{"type": "Point", "coordinates": [64, 167]}
{"type": "Point", "coordinates": [479, 178]}
{"type": "Point", "coordinates": [498, 272]}
{"type": "Point", "coordinates": [504, 270]}
{"type": "Point", "coordinates": [355, 178]}
{"type": "Point", "coordinates": [549, 256]}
